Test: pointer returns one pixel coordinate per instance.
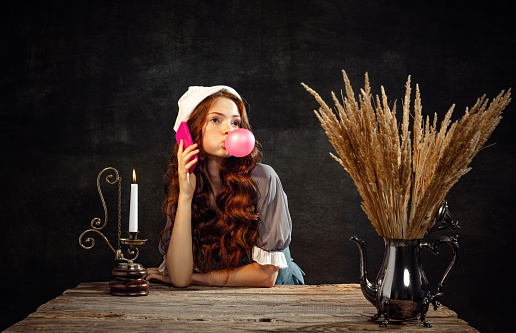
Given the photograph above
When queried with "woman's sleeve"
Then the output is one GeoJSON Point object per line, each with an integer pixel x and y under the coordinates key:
{"type": "Point", "coordinates": [275, 224]}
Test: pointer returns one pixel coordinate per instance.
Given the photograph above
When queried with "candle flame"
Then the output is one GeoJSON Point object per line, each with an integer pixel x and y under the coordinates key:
{"type": "Point", "coordinates": [134, 176]}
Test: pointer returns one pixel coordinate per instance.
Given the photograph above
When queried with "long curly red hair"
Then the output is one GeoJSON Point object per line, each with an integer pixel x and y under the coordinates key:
{"type": "Point", "coordinates": [223, 235]}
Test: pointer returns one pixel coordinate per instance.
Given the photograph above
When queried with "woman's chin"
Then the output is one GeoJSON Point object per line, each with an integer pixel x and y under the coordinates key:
{"type": "Point", "coordinates": [220, 154]}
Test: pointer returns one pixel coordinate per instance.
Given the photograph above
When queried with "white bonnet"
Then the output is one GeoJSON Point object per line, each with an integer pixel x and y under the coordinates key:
{"type": "Point", "coordinates": [193, 97]}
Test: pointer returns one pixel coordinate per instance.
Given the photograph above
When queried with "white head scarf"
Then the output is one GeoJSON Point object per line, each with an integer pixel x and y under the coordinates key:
{"type": "Point", "coordinates": [193, 97]}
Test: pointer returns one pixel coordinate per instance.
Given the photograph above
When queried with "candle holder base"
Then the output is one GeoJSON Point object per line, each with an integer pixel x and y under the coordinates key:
{"type": "Point", "coordinates": [133, 239]}
{"type": "Point", "coordinates": [129, 280]}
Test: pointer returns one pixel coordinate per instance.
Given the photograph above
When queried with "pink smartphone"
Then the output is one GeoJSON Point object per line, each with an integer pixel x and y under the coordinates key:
{"type": "Point", "coordinates": [183, 133]}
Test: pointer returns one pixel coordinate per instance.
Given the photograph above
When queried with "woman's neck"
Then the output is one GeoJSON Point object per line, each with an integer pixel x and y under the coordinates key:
{"type": "Point", "coordinates": [213, 172]}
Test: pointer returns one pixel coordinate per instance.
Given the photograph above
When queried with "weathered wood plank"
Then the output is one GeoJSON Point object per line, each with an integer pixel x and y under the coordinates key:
{"type": "Point", "coordinates": [339, 308]}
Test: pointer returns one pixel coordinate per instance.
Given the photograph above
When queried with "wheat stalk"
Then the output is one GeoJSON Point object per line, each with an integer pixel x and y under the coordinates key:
{"type": "Point", "coordinates": [394, 169]}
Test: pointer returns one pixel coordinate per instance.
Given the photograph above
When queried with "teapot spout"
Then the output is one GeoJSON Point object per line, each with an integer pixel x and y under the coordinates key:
{"type": "Point", "coordinates": [368, 289]}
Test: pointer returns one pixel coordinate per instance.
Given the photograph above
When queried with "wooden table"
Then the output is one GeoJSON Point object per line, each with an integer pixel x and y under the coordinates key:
{"type": "Point", "coordinates": [89, 308]}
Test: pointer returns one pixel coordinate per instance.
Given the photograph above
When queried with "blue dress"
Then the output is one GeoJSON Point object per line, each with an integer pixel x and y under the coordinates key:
{"type": "Point", "coordinates": [274, 229]}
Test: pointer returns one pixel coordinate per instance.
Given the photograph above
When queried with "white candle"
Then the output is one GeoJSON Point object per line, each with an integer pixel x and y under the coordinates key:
{"type": "Point", "coordinates": [133, 211]}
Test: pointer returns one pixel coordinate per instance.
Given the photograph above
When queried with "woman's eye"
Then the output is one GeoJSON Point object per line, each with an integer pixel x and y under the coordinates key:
{"type": "Point", "coordinates": [236, 123]}
{"type": "Point", "coordinates": [214, 120]}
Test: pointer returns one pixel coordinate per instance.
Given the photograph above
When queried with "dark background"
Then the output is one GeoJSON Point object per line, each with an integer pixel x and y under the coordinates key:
{"type": "Point", "coordinates": [91, 84]}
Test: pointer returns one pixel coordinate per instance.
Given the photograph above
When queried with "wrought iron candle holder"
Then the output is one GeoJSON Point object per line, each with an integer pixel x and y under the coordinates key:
{"type": "Point", "coordinates": [129, 275]}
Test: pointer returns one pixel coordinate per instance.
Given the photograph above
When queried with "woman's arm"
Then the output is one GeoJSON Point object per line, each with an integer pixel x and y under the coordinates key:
{"type": "Point", "coordinates": [179, 258]}
{"type": "Point", "coordinates": [252, 275]}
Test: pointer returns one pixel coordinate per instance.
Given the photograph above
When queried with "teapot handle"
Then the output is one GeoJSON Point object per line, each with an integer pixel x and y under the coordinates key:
{"type": "Point", "coordinates": [452, 241]}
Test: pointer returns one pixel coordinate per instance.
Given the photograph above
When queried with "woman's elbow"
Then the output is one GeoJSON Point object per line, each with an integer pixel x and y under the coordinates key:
{"type": "Point", "coordinates": [180, 282]}
{"type": "Point", "coordinates": [269, 283]}
{"type": "Point", "coordinates": [271, 273]}
{"type": "Point", "coordinates": [180, 276]}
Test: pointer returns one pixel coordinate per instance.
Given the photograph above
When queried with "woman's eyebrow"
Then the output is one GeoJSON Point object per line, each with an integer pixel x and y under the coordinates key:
{"type": "Point", "coordinates": [221, 114]}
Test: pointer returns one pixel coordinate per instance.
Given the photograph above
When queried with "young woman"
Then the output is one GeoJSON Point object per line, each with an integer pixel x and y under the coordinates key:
{"type": "Point", "coordinates": [228, 222]}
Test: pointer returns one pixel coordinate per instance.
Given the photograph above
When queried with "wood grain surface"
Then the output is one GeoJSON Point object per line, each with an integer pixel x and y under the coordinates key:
{"type": "Point", "coordinates": [311, 308]}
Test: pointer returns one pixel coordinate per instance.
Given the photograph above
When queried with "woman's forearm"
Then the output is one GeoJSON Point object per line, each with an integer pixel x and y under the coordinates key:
{"type": "Point", "coordinates": [179, 257]}
{"type": "Point", "coordinates": [252, 275]}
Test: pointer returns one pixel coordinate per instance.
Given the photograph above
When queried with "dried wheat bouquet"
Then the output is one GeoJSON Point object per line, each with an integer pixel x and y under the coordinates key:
{"type": "Point", "coordinates": [403, 177]}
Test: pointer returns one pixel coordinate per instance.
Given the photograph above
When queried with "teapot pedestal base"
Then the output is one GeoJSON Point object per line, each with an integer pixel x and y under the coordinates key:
{"type": "Point", "coordinates": [401, 310]}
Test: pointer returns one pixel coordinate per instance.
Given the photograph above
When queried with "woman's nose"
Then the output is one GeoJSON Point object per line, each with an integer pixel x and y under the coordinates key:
{"type": "Point", "coordinates": [228, 127]}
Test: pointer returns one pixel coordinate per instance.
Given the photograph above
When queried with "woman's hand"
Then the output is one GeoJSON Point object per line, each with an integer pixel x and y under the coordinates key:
{"type": "Point", "coordinates": [187, 181]}
{"type": "Point", "coordinates": [154, 273]}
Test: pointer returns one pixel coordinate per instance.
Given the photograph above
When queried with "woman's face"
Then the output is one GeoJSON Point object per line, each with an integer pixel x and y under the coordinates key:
{"type": "Point", "coordinates": [222, 118]}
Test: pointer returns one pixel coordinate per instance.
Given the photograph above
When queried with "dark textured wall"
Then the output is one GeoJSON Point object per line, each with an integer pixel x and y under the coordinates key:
{"type": "Point", "coordinates": [91, 84]}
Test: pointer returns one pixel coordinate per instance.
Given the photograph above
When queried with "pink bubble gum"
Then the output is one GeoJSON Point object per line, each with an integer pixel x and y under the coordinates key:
{"type": "Point", "coordinates": [240, 142]}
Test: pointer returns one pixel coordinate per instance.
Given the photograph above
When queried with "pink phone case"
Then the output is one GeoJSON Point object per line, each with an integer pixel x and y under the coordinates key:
{"type": "Point", "coordinates": [183, 133]}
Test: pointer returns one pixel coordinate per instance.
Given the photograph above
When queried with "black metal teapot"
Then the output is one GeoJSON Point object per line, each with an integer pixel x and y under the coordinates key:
{"type": "Point", "coordinates": [401, 290]}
